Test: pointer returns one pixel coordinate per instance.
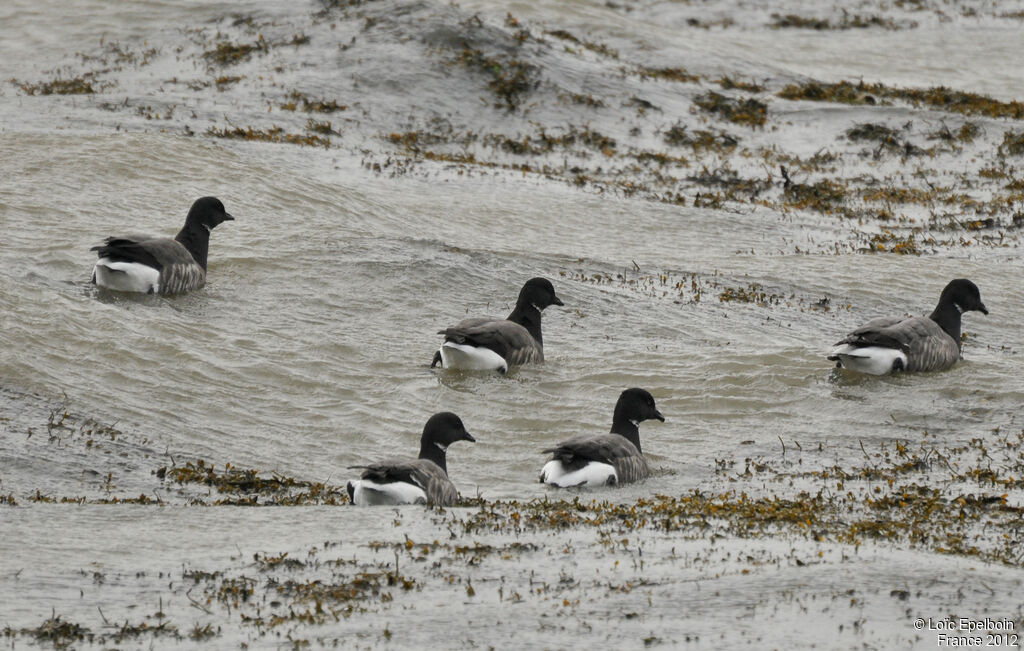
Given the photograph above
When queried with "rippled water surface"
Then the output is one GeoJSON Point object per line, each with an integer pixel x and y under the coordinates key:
{"type": "Point", "coordinates": [696, 276]}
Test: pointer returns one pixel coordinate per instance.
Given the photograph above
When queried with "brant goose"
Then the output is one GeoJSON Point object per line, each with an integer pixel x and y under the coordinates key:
{"type": "Point", "coordinates": [490, 343]}
{"type": "Point", "coordinates": [918, 343]}
{"type": "Point", "coordinates": [156, 265]}
{"type": "Point", "coordinates": [414, 481]}
{"type": "Point", "coordinates": [605, 459]}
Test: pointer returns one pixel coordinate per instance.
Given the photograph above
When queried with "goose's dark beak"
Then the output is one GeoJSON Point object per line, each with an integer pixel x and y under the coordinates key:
{"type": "Point", "coordinates": [657, 414]}
{"type": "Point", "coordinates": [557, 301]}
{"type": "Point", "coordinates": [466, 436]}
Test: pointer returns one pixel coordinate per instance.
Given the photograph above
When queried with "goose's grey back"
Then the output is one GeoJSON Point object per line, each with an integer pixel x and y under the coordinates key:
{"type": "Point", "coordinates": [928, 346]}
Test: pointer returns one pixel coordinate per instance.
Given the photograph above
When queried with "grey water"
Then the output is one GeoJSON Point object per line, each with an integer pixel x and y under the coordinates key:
{"type": "Point", "coordinates": [309, 349]}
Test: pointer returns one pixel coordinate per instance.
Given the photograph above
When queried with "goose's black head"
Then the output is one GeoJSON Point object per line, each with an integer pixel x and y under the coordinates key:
{"type": "Point", "coordinates": [202, 218]}
{"type": "Point", "coordinates": [208, 212]}
{"type": "Point", "coordinates": [538, 292]}
{"type": "Point", "coordinates": [441, 430]}
{"type": "Point", "coordinates": [636, 406]}
{"type": "Point", "coordinates": [963, 294]}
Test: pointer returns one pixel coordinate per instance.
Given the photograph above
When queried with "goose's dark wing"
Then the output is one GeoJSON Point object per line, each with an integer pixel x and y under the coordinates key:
{"type": "Point", "coordinates": [420, 472]}
{"type": "Point", "coordinates": [884, 331]}
{"type": "Point", "coordinates": [157, 252]}
{"type": "Point", "coordinates": [612, 449]}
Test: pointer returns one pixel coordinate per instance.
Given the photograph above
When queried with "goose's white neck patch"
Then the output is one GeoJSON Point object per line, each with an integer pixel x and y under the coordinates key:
{"type": "Point", "coordinates": [636, 423]}
{"type": "Point", "coordinates": [958, 308]}
{"type": "Point", "coordinates": [444, 448]}
{"type": "Point", "coordinates": [207, 227]}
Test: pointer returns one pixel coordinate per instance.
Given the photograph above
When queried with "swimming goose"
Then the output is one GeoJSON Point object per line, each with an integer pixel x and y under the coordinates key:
{"type": "Point", "coordinates": [159, 265]}
{"type": "Point", "coordinates": [605, 459]}
{"type": "Point", "coordinates": [490, 343]}
{"type": "Point", "coordinates": [918, 343]}
{"type": "Point", "coordinates": [415, 481]}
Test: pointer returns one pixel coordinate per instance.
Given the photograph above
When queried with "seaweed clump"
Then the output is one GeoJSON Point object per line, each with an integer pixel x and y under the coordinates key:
{"type": "Point", "coordinates": [855, 21]}
{"type": "Point", "coordinates": [1013, 144]}
{"type": "Point", "coordinates": [753, 293]}
{"type": "Point", "coordinates": [274, 134]}
{"type": "Point", "coordinates": [224, 53]}
{"type": "Point", "coordinates": [74, 86]}
{"type": "Point", "coordinates": [670, 74]}
{"type": "Point", "coordinates": [894, 243]}
{"type": "Point", "coordinates": [58, 632]}
{"type": "Point", "coordinates": [937, 97]}
{"type": "Point", "coordinates": [749, 111]}
{"type": "Point", "coordinates": [511, 79]}
{"type": "Point", "coordinates": [886, 137]}
{"type": "Point", "coordinates": [245, 487]}
{"type": "Point", "coordinates": [680, 136]}
{"type": "Point", "coordinates": [599, 48]}
{"type": "Point", "coordinates": [297, 100]}
{"type": "Point", "coordinates": [825, 196]}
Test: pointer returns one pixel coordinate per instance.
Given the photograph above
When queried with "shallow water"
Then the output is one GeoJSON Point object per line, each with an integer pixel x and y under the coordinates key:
{"type": "Point", "coordinates": [309, 349]}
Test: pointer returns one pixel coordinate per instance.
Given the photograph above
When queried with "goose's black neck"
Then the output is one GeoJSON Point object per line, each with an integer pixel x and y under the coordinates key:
{"type": "Point", "coordinates": [528, 316]}
{"type": "Point", "coordinates": [434, 452]}
{"type": "Point", "coordinates": [948, 316]}
{"type": "Point", "coordinates": [628, 429]}
{"type": "Point", "coordinates": [195, 237]}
